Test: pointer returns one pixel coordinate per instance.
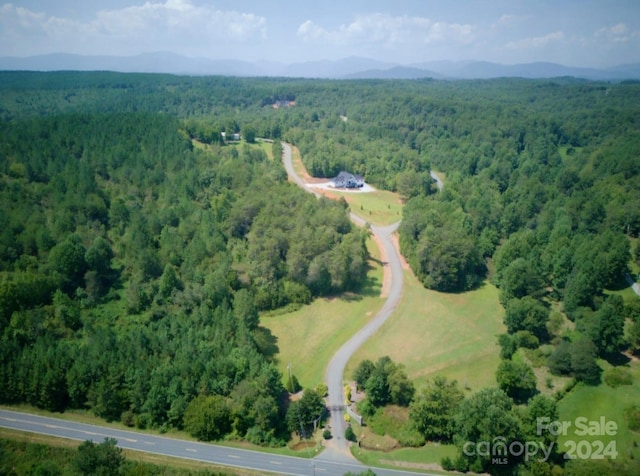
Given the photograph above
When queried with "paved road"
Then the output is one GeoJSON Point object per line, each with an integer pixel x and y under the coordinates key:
{"type": "Point", "coordinates": [339, 447]}
{"type": "Point", "coordinates": [161, 445]}
{"type": "Point", "coordinates": [334, 461]}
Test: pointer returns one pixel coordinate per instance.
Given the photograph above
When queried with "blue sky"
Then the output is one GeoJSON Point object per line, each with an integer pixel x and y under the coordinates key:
{"type": "Point", "coordinates": [572, 32]}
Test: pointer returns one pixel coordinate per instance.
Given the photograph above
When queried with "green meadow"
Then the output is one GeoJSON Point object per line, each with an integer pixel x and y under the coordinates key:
{"type": "Point", "coordinates": [308, 337]}
{"type": "Point", "coordinates": [434, 333]}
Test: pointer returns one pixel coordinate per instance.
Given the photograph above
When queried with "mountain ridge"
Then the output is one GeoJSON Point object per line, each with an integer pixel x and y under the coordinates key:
{"type": "Point", "coordinates": [343, 68]}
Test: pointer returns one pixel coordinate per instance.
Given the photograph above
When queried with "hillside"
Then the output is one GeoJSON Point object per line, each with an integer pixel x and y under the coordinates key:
{"type": "Point", "coordinates": [133, 232]}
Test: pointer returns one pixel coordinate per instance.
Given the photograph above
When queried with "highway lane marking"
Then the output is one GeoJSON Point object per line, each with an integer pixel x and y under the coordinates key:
{"type": "Point", "coordinates": [276, 462]}
{"type": "Point", "coordinates": [150, 443]}
{"type": "Point", "coordinates": [233, 456]}
{"type": "Point", "coordinates": [53, 426]}
{"type": "Point", "coordinates": [9, 419]}
{"type": "Point", "coordinates": [191, 450]}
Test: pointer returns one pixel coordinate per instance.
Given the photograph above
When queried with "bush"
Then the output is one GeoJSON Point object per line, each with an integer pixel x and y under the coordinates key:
{"type": "Point", "coordinates": [260, 437]}
{"type": "Point", "coordinates": [410, 437]}
{"type": "Point", "coordinates": [447, 464]}
{"type": "Point", "coordinates": [322, 390]}
{"type": "Point", "coordinates": [632, 415]}
{"type": "Point", "coordinates": [326, 434]}
{"type": "Point", "coordinates": [349, 434]}
{"type": "Point", "coordinates": [99, 459]}
{"type": "Point", "coordinates": [616, 376]}
{"type": "Point", "coordinates": [366, 408]}
{"type": "Point", "coordinates": [128, 418]}
{"type": "Point", "coordinates": [527, 340]}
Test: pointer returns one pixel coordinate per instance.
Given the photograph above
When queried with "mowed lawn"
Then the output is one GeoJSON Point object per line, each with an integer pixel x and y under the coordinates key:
{"type": "Point", "coordinates": [378, 208]}
{"type": "Point", "coordinates": [434, 333]}
{"type": "Point", "coordinates": [308, 338]}
{"type": "Point", "coordinates": [593, 403]}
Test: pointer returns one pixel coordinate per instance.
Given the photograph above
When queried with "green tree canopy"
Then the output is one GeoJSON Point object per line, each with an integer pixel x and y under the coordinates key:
{"type": "Point", "coordinates": [434, 408]}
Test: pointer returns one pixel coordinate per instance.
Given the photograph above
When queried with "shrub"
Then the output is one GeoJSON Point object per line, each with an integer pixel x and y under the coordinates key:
{"type": "Point", "coordinates": [258, 436]}
{"type": "Point", "coordinates": [326, 434]}
{"type": "Point", "coordinates": [616, 376]}
{"type": "Point", "coordinates": [349, 434]}
{"type": "Point", "coordinates": [128, 418]}
{"type": "Point", "coordinates": [322, 390]}
{"type": "Point", "coordinates": [447, 464]}
{"type": "Point", "coordinates": [366, 408]}
{"type": "Point", "coordinates": [409, 436]}
{"type": "Point", "coordinates": [632, 415]}
{"type": "Point", "coordinates": [527, 340]}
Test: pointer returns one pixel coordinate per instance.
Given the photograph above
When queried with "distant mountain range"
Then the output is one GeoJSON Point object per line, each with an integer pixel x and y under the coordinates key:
{"type": "Point", "coordinates": [346, 68]}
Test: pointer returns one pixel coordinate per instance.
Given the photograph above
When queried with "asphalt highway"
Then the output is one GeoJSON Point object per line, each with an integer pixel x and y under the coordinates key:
{"type": "Point", "coordinates": [215, 454]}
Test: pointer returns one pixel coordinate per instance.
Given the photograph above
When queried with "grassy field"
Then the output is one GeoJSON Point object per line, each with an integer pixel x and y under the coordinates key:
{"type": "Point", "coordinates": [426, 458]}
{"type": "Point", "coordinates": [378, 208]}
{"type": "Point", "coordinates": [434, 333]}
{"type": "Point", "coordinates": [593, 403]}
{"type": "Point", "coordinates": [308, 337]}
{"type": "Point", "coordinates": [267, 148]}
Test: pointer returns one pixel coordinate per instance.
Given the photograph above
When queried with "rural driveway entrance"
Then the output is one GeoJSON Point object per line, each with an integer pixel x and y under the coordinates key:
{"type": "Point", "coordinates": [338, 448]}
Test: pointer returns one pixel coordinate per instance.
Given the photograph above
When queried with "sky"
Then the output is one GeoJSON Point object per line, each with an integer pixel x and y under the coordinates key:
{"type": "Point", "coordinates": [589, 33]}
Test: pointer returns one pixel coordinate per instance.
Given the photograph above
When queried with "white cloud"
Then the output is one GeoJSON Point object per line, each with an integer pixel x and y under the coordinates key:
{"type": "Point", "coordinates": [153, 25]}
{"type": "Point", "coordinates": [536, 41]}
{"type": "Point", "coordinates": [619, 33]}
{"type": "Point", "coordinates": [506, 20]}
{"type": "Point", "coordinates": [388, 31]}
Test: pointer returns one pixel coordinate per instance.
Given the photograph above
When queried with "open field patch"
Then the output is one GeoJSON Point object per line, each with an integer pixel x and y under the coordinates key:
{"type": "Point", "coordinates": [308, 337]}
{"type": "Point", "coordinates": [593, 403]}
{"type": "Point", "coordinates": [434, 333]}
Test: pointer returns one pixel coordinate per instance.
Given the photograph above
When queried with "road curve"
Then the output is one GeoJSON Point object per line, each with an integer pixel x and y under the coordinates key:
{"type": "Point", "coordinates": [336, 460]}
{"type": "Point", "coordinates": [338, 450]}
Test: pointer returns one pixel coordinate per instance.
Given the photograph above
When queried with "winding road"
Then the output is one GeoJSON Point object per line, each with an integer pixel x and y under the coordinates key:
{"type": "Point", "coordinates": [336, 460]}
{"type": "Point", "coordinates": [338, 449]}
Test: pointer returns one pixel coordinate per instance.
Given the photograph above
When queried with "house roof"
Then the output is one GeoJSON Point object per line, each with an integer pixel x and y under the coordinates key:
{"type": "Point", "coordinates": [346, 176]}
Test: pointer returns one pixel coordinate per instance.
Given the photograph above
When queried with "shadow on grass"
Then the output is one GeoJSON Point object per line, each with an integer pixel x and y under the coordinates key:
{"type": "Point", "coordinates": [371, 286]}
{"type": "Point", "coordinates": [616, 358]}
{"type": "Point", "coordinates": [351, 297]}
{"type": "Point", "coordinates": [267, 343]}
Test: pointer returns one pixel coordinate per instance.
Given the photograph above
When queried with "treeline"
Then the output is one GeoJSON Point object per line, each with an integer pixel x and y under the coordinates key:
{"type": "Point", "coordinates": [133, 266]}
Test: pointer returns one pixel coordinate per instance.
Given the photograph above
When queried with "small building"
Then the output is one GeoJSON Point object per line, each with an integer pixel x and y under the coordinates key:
{"type": "Point", "coordinates": [348, 180]}
{"type": "Point", "coordinates": [235, 136]}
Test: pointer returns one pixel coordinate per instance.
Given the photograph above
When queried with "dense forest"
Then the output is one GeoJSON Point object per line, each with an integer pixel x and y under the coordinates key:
{"type": "Point", "coordinates": [132, 231]}
{"type": "Point", "coordinates": [133, 266]}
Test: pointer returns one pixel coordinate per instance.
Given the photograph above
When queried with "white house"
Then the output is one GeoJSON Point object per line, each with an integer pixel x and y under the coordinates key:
{"type": "Point", "coordinates": [348, 180]}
